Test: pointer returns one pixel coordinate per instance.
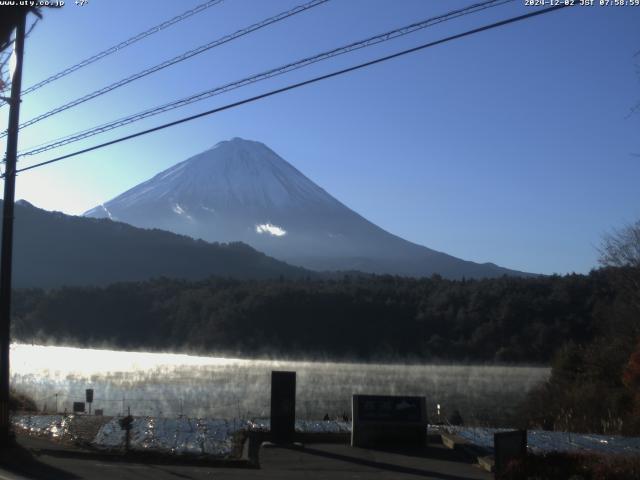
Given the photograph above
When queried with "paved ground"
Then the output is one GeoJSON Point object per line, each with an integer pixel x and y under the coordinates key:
{"type": "Point", "coordinates": [329, 461]}
{"type": "Point", "coordinates": [314, 461]}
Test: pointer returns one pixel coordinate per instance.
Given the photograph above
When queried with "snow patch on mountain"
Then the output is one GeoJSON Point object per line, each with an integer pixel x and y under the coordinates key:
{"type": "Point", "coordinates": [180, 211]}
{"type": "Point", "coordinates": [106, 210]}
{"type": "Point", "coordinates": [274, 230]}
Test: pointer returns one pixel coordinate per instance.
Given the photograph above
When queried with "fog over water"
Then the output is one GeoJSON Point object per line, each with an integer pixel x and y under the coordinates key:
{"type": "Point", "coordinates": [172, 384]}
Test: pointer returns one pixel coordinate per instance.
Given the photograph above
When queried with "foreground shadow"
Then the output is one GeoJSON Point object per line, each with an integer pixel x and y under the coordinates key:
{"type": "Point", "coordinates": [146, 458]}
{"type": "Point", "coordinates": [377, 464]}
{"type": "Point", "coordinates": [431, 452]}
{"type": "Point", "coordinates": [20, 461]}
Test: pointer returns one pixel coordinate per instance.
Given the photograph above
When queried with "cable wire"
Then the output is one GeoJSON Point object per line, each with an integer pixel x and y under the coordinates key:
{"type": "Point", "coordinates": [172, 61]}
{"type": "Point", "coordinates": [124, 44]}
{"type": "Point", "coordinates": [383, 37]}
{"type": "Point", "coordinates": [301, 84]}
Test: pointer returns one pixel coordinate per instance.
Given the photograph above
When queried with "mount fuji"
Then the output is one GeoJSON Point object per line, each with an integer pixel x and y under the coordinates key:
{"type": "Point", "coordinates": [241, 190]}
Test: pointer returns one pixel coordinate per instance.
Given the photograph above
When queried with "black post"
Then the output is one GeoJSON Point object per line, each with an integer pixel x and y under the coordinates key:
{"type": "Point", "coordinates": [283, 406]}
{"type": "Point", "coordinates": [88, 394]}
{"type": "Point", "coordinates": [129, 421]}
{"type": "Point", "coordinates": [7, 232]}
{"type": "Point", "coordinates": [510, 447]}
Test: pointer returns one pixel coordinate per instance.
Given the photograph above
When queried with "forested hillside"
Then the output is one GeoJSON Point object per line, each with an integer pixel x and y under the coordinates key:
{"type": "Point", "coordinates": [379, 317]}
{"type": "Point", "coordinates": [53, 249]}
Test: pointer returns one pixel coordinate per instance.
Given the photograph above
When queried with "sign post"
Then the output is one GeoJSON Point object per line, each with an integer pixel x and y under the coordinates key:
{"type": "Point", "coordinates": [126, 424]}
{"type": "Point", "coordinates": [283, 406]}
{"type": "Point", "coordinates": [88, 393]}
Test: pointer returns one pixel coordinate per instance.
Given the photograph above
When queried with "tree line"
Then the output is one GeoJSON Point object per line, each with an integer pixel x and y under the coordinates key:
{"type": "Point", "coordinates": [595, 384]}
{"type": "Point", "coordinates": [355, 317]}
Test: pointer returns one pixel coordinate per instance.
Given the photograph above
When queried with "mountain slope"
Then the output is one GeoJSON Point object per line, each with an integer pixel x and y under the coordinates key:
{"type": "Point", "coordinates": [52, 249]}
{"type": "Point", "coordinates": [241, 190]}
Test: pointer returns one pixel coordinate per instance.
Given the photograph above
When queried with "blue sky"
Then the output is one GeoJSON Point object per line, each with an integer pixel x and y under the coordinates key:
{"type": "Point", "coordinates": [513, 146]}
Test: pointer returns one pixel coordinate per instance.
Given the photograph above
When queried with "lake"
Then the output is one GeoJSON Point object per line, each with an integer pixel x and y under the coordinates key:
{"type": "Point", "coordinates": [162, 384]}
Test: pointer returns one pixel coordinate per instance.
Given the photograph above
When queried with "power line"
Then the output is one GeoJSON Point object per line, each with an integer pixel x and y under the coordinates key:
{"type": "Point", "coordinates": [124, 44]}
{"type": "Point", "coordinates": [392, 34]}
{"type": "Point", "coordinates": [172, 61]}
{"type": "Point", "coordinates": [300, 84]}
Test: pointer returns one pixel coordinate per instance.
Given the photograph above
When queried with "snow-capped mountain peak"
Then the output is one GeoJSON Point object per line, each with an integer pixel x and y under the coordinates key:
{"type": "Point", "coordinates": [241, 190]}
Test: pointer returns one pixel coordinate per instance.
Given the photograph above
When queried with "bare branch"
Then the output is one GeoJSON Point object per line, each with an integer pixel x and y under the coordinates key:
{"type": "Point", "coordinates": [622, 247]}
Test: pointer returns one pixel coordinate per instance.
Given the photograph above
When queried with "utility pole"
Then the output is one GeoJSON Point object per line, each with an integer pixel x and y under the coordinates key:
{"type": "Point", "coordinates": [7, 231]}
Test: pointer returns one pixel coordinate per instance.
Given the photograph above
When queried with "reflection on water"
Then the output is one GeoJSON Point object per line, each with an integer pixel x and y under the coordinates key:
{"type": "Point", "coordinates": [170, 384]}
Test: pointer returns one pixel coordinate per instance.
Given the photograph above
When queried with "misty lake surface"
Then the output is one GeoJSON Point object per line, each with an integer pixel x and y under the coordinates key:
{"type": "Point", "coordinates": [162, 384]}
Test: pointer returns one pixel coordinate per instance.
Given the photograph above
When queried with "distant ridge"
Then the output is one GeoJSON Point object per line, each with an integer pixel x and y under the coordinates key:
{"type": "Point", "coordinates": [240, 190]}
{"type": "Point", "coordinates": [52, 249]}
